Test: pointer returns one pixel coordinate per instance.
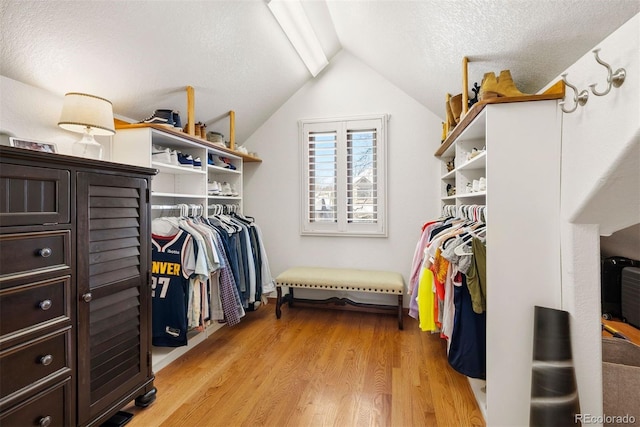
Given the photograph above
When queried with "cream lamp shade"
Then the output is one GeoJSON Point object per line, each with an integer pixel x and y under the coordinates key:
{"type": "Point", "coordinates": [90, 115]}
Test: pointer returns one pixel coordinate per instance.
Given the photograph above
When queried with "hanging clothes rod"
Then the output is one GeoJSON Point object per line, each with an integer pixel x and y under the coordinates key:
{"type": "Point", "coordinates": [185, 209]}
{"type": "Point", "coordinates": [219, 208]}
{"type": "Point", "coordinates": [477, 213]}
{"type": "Point", "coordinates": [165, 207]}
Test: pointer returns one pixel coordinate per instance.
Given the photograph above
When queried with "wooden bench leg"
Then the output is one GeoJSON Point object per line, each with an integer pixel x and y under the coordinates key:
{"type": "Point", "coordinates": [279, 302]}
{"type": "Point", "coordinates": [400, 316]}
{"type": "Point", "coordinates": [282, 299]}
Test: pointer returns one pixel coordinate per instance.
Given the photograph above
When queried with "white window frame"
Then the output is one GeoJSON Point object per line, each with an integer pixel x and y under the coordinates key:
{"type": "Point", "coordinates": [342, 227]}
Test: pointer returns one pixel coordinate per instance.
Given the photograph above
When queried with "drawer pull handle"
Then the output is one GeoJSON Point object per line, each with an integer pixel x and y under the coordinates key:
{"type": "Point", "coordinates": [87, 297]}
{"type": "Point", "coordinates": [45, 252]}
{"type": "Point", "coordinates": [45, 305]}
{"type": "Point", "coordinates": [45, 421]}
{"type": "Point", "coordinates": [46, 360]}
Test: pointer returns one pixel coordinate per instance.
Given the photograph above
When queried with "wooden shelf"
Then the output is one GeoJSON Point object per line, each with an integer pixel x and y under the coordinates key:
{"type": "Point", "coordinates": [554, 92]}
{"type": "Point", "coordinates": [171, 131]}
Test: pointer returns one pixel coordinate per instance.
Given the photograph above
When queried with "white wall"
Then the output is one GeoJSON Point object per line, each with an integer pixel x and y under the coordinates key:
{"type": "Point", "coordinates": [272, 189]}
{"type": "Point", "coordinates": [600, 192]}
{"type": "Point", "coordinates": [625, 242]}
{"type": "Point", "coordinates": [32, 113]}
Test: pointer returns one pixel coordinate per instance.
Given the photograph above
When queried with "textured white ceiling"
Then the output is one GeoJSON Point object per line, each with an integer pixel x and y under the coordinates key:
{"type": "Point", "coordinates": [142, 54]}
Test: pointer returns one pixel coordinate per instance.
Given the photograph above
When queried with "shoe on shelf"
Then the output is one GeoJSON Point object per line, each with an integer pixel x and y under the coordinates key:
{"type": "Point", "coordinates": [173, 158]}
{"type": "Point", "coordinates": [217, 161]}
{"type": "Point", "coordinates": [456, 107]}
{"type": "Point", "coordinates": [213, 188]}
{"type": "Point", "coordinates": [160, 154]}
{"type": "Point", "coordinates": [160, 117]}
{"type": "Point", "coordinates": [226, 189]}
{"type": "Point", "coordinates": [234, 192]}
{"type": "Point", "coordinates": [175, 119]}
{"type": "Point", "coordinates": [474, 152]}
{"type": "Point", "coordinates": [197, 163]}
{"type": "Point", "coordinates": [501, 86]}
{"type": "Point", "coordinates": [506, 86]}
{"type": "Point", "coordinates": [185, 160]}
{"type": "Point", "coordinates": [228, 163]}
{"type": "Point", "coordinates": [489, 87]}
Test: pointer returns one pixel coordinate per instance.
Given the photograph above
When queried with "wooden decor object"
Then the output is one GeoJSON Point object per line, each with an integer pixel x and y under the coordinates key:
{"type": "Point", "coordinates": [191, 122]}
{"type": "Point", "coordinates": [465, 86]}
{"type": "Point", "coordinates": [232, 130]}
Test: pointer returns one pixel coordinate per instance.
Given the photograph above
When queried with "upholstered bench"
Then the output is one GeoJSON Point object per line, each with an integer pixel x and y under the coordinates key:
{"type": "Point", "coordinates": [341, 279]}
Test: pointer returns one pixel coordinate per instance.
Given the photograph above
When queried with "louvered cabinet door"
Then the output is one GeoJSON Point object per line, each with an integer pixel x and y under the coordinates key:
{"type": "Point", "coordinates": [113, 256]}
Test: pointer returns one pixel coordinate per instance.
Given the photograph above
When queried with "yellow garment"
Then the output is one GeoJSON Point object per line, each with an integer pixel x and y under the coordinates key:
{"type": "Point", "coordinates": [426, 301]}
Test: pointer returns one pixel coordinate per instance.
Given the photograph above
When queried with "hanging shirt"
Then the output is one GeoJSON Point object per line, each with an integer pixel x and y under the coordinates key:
{"type": "Point", "coordinates": [172, 264]}
{"type": "Point", "coordinates": [477, 276]}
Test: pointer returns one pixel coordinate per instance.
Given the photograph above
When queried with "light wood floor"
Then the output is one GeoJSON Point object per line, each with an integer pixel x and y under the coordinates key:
{"type": "Point", "coordinates": [629, 331]}
{"type": "Point", "coordinates": [313, 367]}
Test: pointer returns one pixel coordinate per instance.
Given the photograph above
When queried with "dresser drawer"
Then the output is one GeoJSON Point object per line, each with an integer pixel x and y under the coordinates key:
{"type": "Point", "coordinates": [34, 306]}
{"type": "Point", "coordinates": [33, 196]}
{"type": "Point", "coordinates": [28, 253]}
{"type": "Point", "coordinates": [33, 362]}
{"type": "Point", "coordinates": [49, 408]}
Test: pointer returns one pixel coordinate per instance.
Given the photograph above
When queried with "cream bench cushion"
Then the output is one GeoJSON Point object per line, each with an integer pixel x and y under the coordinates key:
{"type": "Point", "coordinates": [341, 279]}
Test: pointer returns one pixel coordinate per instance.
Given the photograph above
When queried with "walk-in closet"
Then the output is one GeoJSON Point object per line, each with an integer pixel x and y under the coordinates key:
{"type": "Point", "coordinates": [319, 212]}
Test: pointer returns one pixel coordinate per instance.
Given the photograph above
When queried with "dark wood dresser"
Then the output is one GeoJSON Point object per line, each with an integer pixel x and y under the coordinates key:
{"type": "Point", "coordinates": [75, 300]}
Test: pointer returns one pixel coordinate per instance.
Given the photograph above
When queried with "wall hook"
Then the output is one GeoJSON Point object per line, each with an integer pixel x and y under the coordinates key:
{"type": "Point", "coordinates": [613, 79]}
{"type": "Point", "coordinates": [578, 98]}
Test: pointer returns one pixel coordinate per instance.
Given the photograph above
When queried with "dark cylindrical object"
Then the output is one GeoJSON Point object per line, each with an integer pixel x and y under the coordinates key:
{"type": "Point", "coordinates": [554, 393]}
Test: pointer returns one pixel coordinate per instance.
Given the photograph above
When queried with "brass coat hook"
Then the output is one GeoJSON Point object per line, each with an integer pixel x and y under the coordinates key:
{"type": "Point", "coordinates": [613, 79]}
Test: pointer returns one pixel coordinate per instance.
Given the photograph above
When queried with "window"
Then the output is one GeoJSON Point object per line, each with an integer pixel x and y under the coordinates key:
{"type": "Point", "coordinates": [344, 176]}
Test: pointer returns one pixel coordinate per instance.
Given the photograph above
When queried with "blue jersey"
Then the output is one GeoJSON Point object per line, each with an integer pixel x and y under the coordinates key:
{"type": "Point", "coordinates": [170, 289]}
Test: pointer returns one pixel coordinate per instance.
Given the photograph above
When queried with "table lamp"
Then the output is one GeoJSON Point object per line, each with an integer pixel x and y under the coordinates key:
{"type": "Point", "coordinates": [90, 115]}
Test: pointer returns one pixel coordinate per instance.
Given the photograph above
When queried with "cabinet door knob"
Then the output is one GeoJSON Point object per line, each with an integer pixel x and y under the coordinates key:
{"type": "Point", "coordinates": [46, 360]}
{"type": "Point", "coordinates": [87, 297]}
{"type": "Point", "coordinates": [45, 305]}
{"type": "Point", "coordinates": [45, 421]}
{"type": "Point", "coordinates": [45, 252]}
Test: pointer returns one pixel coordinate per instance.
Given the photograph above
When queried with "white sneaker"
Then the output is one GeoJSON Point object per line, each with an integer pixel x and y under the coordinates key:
{"type": "Point", "coordinates": [218, 162]}
{"type": "Point", "coordinates": [213, 188]}
{"type": "Point", "coordinates": [226, 189]}
{"type": "Point", "coordinates": [160, 154]}
{"type": "Point", "coordinates": [234, 192]}
{"type": "Point", "coordinates": [173, 158]}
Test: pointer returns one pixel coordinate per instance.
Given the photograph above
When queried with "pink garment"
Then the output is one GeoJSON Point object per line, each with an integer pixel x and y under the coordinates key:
{"type": "Point", "coordinates": [418, 256]}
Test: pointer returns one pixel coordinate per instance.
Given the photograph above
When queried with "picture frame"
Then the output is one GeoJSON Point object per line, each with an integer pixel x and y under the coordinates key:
{"type": "Point", "coordinates": [29, 144]}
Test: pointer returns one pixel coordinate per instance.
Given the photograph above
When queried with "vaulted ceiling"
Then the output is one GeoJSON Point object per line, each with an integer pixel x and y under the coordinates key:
{"type": "Point", "coordinates": [142, 54]}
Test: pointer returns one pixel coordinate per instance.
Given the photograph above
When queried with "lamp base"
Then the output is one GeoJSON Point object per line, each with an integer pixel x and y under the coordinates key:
{"type": "Point", "coordinates": [87, 147]}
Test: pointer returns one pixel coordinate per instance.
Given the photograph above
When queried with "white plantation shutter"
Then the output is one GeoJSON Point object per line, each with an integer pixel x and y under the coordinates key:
{"type": "Point", "coordinates": [344, 176]}
{"type": "Point", "coordinates": [322, 179]}
{"type": "Point", "coordinates": [362, 194]}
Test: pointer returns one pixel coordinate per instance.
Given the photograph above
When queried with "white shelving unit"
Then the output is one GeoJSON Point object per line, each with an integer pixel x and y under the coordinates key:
{"type": "Point", "coordinates": [175, 184]}
{"type": "Point", "coordinates": [521, 164]}
{"type": "Point", "coordinates": [465, 171]}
